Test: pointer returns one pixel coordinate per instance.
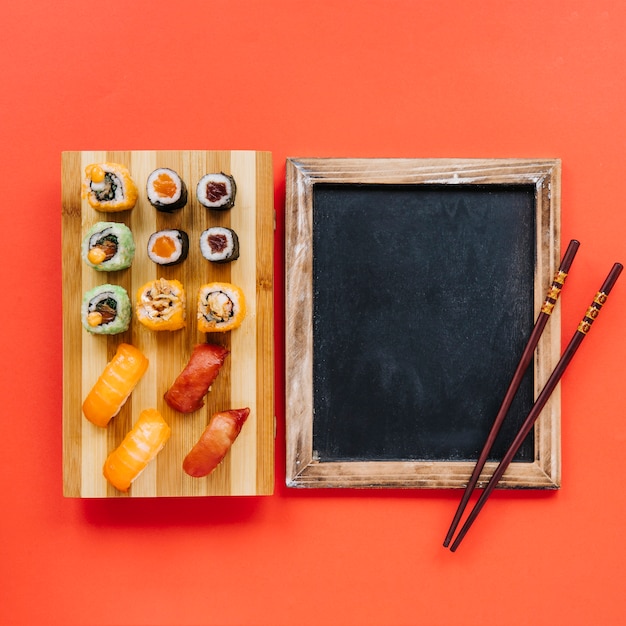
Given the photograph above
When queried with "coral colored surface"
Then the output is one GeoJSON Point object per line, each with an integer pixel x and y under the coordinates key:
{"type": "Point", "coordinates": [322, 78]}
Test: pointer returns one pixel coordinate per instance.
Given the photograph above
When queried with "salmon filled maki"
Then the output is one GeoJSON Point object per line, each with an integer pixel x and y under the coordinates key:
{"type": "Point", "coordinates": [168, 247]}
{"type": "Point", "coordinates": [221, 307]}
{"type": "Point", "coordinates": [216, 191]}
{"type": "Point", "coordinates": [108, 247]}
{"type": "Point", "coordinates": [109, 187]}
{"type": "Point", "coordinates": [106, 310]}
{"type": "Point", "coordinates": [166, 190]}
{"type": "Point", "coordinates": [114, 385]}
{"type": "Point", "coordinates": [161, 305]}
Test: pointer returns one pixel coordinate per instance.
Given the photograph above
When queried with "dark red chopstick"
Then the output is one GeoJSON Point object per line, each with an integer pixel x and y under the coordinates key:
{"type": "Point", "coordinates": [564, 361]}
{"type": "Point", "coordinates": [527, 355]}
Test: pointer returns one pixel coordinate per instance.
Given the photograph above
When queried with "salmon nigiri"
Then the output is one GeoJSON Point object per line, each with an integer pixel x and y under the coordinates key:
{"type": "Point", "coordinates": [140, 445]}
{"type": "Point", "coordinates": [114, 385]}
{"type": "Point", "coordinates": [215, 442]}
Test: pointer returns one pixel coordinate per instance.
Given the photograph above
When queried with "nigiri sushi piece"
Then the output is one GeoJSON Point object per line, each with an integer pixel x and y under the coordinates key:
{"type": "Point", "coordinates": [166, 190]}
{"type": "Point", "coordinates": [114, 385]}
{"type": "Point", "coordinates": [108, 247]}
{"type": "Point", "coordinates": [216, 191]}
{"type": "Point", "coordinates": [194, 382]}
{"type": "Point", "coordinates": [140, 445]}
{"type": "Point", "coordinates": [109, 187]}
{"type": "Point", "coordinates": [161, 305]}
{"type": "Point", "coordinates": [221, 307]}
{"type": "Point", "coordinates": [215, 442]}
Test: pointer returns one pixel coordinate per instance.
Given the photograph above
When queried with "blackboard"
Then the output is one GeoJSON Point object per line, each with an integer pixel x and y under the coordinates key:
{"type": "Point", "coordinates": [412, 293]}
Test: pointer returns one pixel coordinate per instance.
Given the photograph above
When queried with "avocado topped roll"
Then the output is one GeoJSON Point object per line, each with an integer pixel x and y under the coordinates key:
{"type": "Point", "coordinates": [108, 247]}
{"type": "Point", "coordinates": [216, 191]}
{"type": "Point", "coordinates": [106, 310]}
{"type": "Point", "coordinates": [108, 187]}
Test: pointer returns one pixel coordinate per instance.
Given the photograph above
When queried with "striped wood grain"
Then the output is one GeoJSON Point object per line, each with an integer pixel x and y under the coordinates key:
{"type": "Point", "coordinates": [246, 379]}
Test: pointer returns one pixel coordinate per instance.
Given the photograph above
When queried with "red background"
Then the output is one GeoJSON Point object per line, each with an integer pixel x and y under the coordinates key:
{"type": "Point", "coordinates": [322, 78]}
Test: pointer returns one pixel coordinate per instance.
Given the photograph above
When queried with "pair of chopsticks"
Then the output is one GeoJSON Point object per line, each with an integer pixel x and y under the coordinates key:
{"type": "Point", "coordinates": [542, 319]}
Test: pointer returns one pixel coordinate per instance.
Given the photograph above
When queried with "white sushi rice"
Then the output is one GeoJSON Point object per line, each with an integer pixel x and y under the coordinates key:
{"type": "Point", "coordinates": [225, 200]}
{"type": "Point", "coordinates": [156, 198]}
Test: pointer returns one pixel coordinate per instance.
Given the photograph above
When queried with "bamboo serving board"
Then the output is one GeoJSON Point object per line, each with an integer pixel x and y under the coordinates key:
{"type": "Point", "coordinates": [245, 380]}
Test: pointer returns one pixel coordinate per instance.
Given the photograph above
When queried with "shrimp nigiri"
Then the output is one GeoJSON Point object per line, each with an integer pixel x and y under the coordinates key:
{"type": "Point", "coordinates": [114, 385]}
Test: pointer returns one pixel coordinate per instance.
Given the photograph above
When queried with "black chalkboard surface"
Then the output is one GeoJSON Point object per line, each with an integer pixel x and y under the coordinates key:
{"type": "Point", "coordinates": [412, 287]}
{"type": "Point", "coordinates": [423, 301]}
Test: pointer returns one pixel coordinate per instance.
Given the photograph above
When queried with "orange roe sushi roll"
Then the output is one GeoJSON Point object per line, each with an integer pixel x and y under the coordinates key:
{"type": "Point", "coordinates": [140, 445]}
{"type": "Point", "coordinates": [109, 188]}
{"type": "Point", "coordinates": [114, 385]}
{"type": "Point", "coordinates": [221, 307]}
{"type": "Point", "coordinates": [161, 305]}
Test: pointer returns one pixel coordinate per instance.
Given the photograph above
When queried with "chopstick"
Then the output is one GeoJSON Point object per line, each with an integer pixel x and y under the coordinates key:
{"type": "Point", "coordinates": [542, 319]}
{"type": "Point", "coordinates": [581, 332]}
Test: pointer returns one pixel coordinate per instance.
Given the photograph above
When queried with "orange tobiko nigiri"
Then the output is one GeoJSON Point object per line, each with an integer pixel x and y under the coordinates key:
{"type": "Point", "coordinates": [140, 445]}
{"type": "Point", "coordinates": [114, 385]}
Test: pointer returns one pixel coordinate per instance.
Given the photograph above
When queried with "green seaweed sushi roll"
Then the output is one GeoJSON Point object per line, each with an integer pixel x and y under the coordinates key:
{"type": "Point", "coordinates": [106, 310]}
{"type": "Point", "coordinates": [108, 247]}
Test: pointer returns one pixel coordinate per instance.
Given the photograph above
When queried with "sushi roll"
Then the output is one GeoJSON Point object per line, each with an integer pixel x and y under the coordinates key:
{"type": "Point", "coordinates": [168, 247]}
{"type": "Point", "coordinates": [108, 187]}
{"type": "Point", "coordinates": [216, 191]}
{"type": "Point", "coordinates": [221, 307]}
{"type": "Point", "coordinates": [161, 305]}
{"type": "Point", "coordinates": [219, 244]}
{"type": "Point", "coordinates": [166, 190]}
{"type": "Point", "coordinates": [108, 247]}
{"type": "Point", "coordinates": [106, 310]}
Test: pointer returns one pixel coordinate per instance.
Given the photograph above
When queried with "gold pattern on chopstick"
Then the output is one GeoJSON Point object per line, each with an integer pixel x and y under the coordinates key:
{"type": "Point", "coordinates": [592, 312]}
{"type": "Point", "coordinates": [553, 294]}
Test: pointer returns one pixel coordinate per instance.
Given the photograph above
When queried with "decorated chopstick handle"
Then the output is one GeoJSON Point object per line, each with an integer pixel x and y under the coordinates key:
{"type": "Point", "coordinates": [559, 279]}
{"type": "Point", "coordinates": [598, 302]}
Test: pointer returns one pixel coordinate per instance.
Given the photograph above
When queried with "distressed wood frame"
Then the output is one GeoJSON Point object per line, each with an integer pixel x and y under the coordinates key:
{"type": "Point", "coordinates": [303, 468]}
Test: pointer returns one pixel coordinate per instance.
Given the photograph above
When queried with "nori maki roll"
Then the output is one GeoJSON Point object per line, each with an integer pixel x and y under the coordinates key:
{"type": "Point", "coordinates": [168, 247]}
{"type": "Point", "coordinates": [108, 247]}
{"type": "Point", "coordinates": [216, 191]}
{"type": "Point", "coordinates": [108, 187]}
{"type": "Point", "coordinates": [166, 190]}
{"type": "Point", "coordinates": [219, 244]}
{"type": "Point", "coordinates": [106, 310]}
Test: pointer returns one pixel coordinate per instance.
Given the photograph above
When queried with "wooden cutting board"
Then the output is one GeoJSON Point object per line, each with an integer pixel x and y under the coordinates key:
{"type": "Point", "coordinates": [247, 377]}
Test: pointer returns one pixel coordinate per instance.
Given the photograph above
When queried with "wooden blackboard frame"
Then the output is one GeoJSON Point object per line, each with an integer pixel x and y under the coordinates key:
{"type": "Point", "coordinates": [304, 468]}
